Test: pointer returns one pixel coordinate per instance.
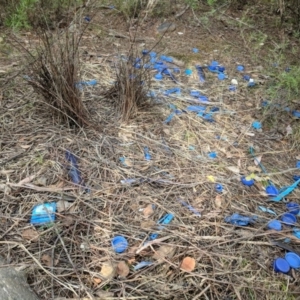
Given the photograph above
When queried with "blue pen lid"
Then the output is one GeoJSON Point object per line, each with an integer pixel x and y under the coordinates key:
{"type": "Point", "coordinates": [274, 225]}
{"type": "Point", "coordinates": [281, 265]}
{"type": "Point", "coordinates": [289, 219]}
{"type": "Point", "coordinates": [119, 243]}
{"type": "Point", "coordinates": [293, 260]}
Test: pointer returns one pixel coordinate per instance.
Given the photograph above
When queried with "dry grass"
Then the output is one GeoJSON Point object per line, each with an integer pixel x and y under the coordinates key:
{"type": "Point", "coordinates": [64, 259]}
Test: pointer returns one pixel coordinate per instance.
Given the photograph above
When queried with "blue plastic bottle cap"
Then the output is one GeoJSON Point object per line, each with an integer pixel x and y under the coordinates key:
{"type": "Point", "coordinates": [212, 155]}
{"type": "Point", "coordinates": [256, 125]}
{"type": "Point", "coordinates": [221, 76]}
{"type": "Point", "coordinates": [119, 244]}
{"type": "Point", "coordinates": [274, 225]}
{"type": "Point", "coordinates": [219, 188]}
{"type": "Point", "coordinates": [188, 72]}
{"type": "Point", "coordinates": [158, 76]}
{"type": "Point", "coordinates": [281, 265]}
{"type": "Point", "coordinates": [240, 68]}
{"type": "Point", "coordinates": [293, 208]}
{"type": "Point", "coordinates": [289, 219]}
{"type": "Point", "coordinates": [293, 260]}
{"type": "Point", "coordinates": [247, 182]}
{"type": "Point", "coordinates": [271, 190]}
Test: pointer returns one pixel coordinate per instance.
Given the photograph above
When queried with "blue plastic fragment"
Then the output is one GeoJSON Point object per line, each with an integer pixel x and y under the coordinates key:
{"type": "Point", "coordinates": [192, 148]}
{"type": "Point", "coordinates": [293, 208]}
{"type": "Point", "coordinates": [169, 118]}
{"type": "Point", "coordinates": [201, 73]}
{"type": "Point", "coordinates": [196, 108]}
{"type": "Point", "coordinates": [256, 125]}
{"type": "Point", "coordinates": [267, 210]}
{"type": "Point", "coordinates": [119, 244]}
{"type": "Point", "coordinates": [213, 67]}
{"type": "Point", "coordinates": [152, 54]}
{"type": "Point", "coordinates": [207, 117]}
{"type": "Point", "coordinates": [232, 88]}
{"type": "Point", "coordinates": [188, 72]}
{"type": "Point", "coordinates": [251, 83]}
{"type": "Point", "coordinates": [168, 73]}
{"type": "Point", "coordinates": [81, 84]}
{"type": "Point", "coordinates": [219, 188]}
{"type": "Point", "coordinates": [275, 225]}
{"type": "Point", "coordinates": [288, 219]}
{"type": "Point", "coordinates": [247, 77]}
{"type": "Point", "coordinates": [87, 19]}
{"type": "Point", "coordinates": [212, 155]}
{"type": "Point", "coordinates": [288, 69]}
{"type": "Point", "coordinates": [158, 76]}
{"type": "Point", "coordinates": [221, 69]}
{"type": "Point", "coordinates": [293, 259]}
{"type": "Point", "coordinates": [203, 98]}
{"type": "Point", "coordinates": [166, 219]}
{"type": "Point", "coordinates": [221, 76]}
{"type": "Point", "coordinates": [240, 220]}
{"type": "Point", "coordinates": [265, 103]}
{"type": "Point", "coordinates": [214, 109]}
{"type": "Point", "coordinates": [286, 191]}
{"type": "Point", "coordinates": [166, 58]}
{"type": "Point", "coordinates": [147, 155]}
{"type": "Point", "coordinates": [298, 164]}
{"type": "Point", "coordinates": [176, 70]}
{"type": "Point", "coordinates": [195, 50]}
{"type": "Point", "coordinates": [191, 208]}
{"type": "Point", "coordinates": [296, 113]}
{"type": "Point", "coordinates": [296, 232]}
{"type": "Point", "coordinates": [195, 94]}
{"type": "Point", "coordinates": [145, 51]}
{"type": "Point", "coordinates": [122, 160]}
{"type": "Point", "coordinates": [176, 90]}
{"type": "Point", "coordinates": [142, 264]}
{"type": "Point", "coordinates": [43, 213]}
{"type": "Point", "coordinates": [296, 177]}
{"type": "Point", "coordinates": [240, 68]}
{"type": "Point", "coordinates": [74, 172]}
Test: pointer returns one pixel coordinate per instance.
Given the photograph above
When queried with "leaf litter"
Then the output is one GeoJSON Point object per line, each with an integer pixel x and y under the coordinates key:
{"type": "Point", "coordinates": [228, 257]}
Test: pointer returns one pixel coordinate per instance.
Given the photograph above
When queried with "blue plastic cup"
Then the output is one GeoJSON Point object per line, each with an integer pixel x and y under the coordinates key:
{"type": "Point", "coordinates": [119, 243]}
{"type": "Point", "coordinates": [280, 265]}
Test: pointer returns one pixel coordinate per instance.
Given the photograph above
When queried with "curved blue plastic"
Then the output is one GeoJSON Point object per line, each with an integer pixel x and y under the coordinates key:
{"type": "Point", "coordinates": [281, 265]}
{"type": "Point", "coordinates": [119, 243]}
{"type": "Point", "coordinates": [289, 219]}
{"type": "Point", "coordinates": [240, 68]}
{"type": "Point", "coordinates": [271, 190]}
{"type": "Point", "coordinates": [219, 188]}
{"type": "Point", "coordinates": [293, 260]}
{"type": "Point", "coordinates": [247, 182]}
{"type": "Point", "coordinates": [293, 208]}
{"type": "Point", "coordinates": [275, 225]}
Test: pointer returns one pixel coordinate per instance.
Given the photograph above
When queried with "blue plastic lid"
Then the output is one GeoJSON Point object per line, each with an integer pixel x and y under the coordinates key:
{"type": "Point", "coordinates": [293, 208]}
{"type": "Point", "coordinates": [219, 188]}
{"type": "Point", "coordinates": [281, 265]}
{"type": "Point", "coordinates": [288, 219]}
{"type": "Point", "coordinates": [240, 68]}
{"type": "Point", "coordinates": [247, 182]}
{"type": "Point", "coordinates": [293, 260]}
{"type": "Point", "coordinates": [271, 190]}
{"type": "Point", "coordinates": [43, 213]}
{"type": "Point", "coordinates": [274, 225]}
{"type": "Point", "coordinates": [119, 244]}
{"type": "Point", "coordinates": [158, 76]}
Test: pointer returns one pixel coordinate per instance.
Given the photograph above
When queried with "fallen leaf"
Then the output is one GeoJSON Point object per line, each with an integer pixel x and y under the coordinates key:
{"type": "Point", "coordinates": [47, 260]}
{"type": "Point", "coordinates": [289, 130]}
{"type": "Point", "coordinates": [26, 180]}
{"type": "Point", "coordinates": [122, 269]}
{"type": "Point", "coordinates": [96, 281]}
{"type": "Point", "coordinates": [62, 205]}
{"type": "Point", "coordinates": [233, 169]}
{"type": "Point", "coordinates": [253, 169]}
{"type": "Point", "coordinates": [164, 251]}
{"type": "Point", "coordinates": [188, 264]}
{"type": "Point", "coordinates": [219, 201]}
{"type": "Point", "coordinates": [148, 211]}
{"type": "Point", "coordinates": [67, 221]}
{"type": "Point", "coordinates": [41, 181]}
{"type": "Point", "coordinates": [25, 146]}
{"type": "Point", "coordinates": [107, 270]}
{"type": "Point", "coordinates": [147, 224]}
{"type": "Point", "coordinates": [30, 234]}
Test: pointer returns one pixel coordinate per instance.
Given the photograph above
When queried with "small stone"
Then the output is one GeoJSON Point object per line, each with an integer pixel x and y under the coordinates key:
{"type": "Point", "coordinates": [166, 26]}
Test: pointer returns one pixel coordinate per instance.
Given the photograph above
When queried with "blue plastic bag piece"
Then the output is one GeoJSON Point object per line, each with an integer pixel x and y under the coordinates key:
{"type": "Point", "coordinates": [232, 88]}
{"type": "Point", "coordinates": [265, 103]}
{"type": "Point", "coordinates": [221, 76]}
{"type": "Point", "coordinates": [122, 160]}
{"type": "Point", "coordinates": [145, 51]}
{"type": "Point", "coordinates": [247, 77]}
{"type": "Point", "coordinates": [166, 219]}
{"type": "Point", "coordinates": [169, 118]}
{"type": "Point", "coordinates": [87, 19]}
{"type": "Point", "coordinates": [239, 220]}
{"type": "Point", "coordinates": [265, 209]}
{"type": "Point", "coordinates": [286, 191]}
{"type": "Point", "coordinates": [195, 94]}
{"type": "Point", "coordinates": [43, 213]}
{"type": "Point", "coordinates": [256, 125]}
{"type": "Point", "coordinates": [196, 108]}
{"type": "Point", "coordinates": [221, 69]}
{"type": "Point", "coordinates": [168, 73]}
{"type": "Point", "coordinates": [176, 90]}
{"type": "Point", "coordinates": [191, 208]}
{"type": "Point", "coordinates": [213, 69]}
{"type": "Point", "coordinates": [166, 58]}
{"type": "Point", "coordinates": [178, 111]}
{"type": "Point", "coordinates": [298, 164]}
{"type": "Point", "coordinates": [74, 173]}
{"type": "Point", "coordinates": [172, 106]}
{"type": "Point", "coordinates": [288, 69]}
{"type": "Point", "coordinates": [188, 72]}
{"type": "Point", "coordinates": [296, 113]}
{"type": "Point", "coordinates": [212, 155]}
{"type": "Point", "coordinates": [201, 73]}
{"type": "Point", "coordinates": [195, 50]}
{"type": "Point", "coordinates": [240, 68]}
{"type": "Point", "coordinates": [208, 117]}
{"type": "Point", "coordinates": [89, 82]}
{"type": "Point", "coordinates": [142, 264]}
{"type": "Point", "coordinates": [147, 155]}
{"type": "Point", "coordinates": [296, 177]}
{"type": "Point", "coordinates": [296, 232]}
{"type": "Point", "coordinates": [176, 70]}
{"type": "Point", "coordinates": [219, 188]}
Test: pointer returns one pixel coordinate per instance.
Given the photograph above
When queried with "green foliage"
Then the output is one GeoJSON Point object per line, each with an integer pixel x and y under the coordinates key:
{"type": "Point", "coordinates": [194, 3]}
{"type": "Point", "coordinates": [130, 8]}
{"type": "Point", "coordinates": [290, 83]}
